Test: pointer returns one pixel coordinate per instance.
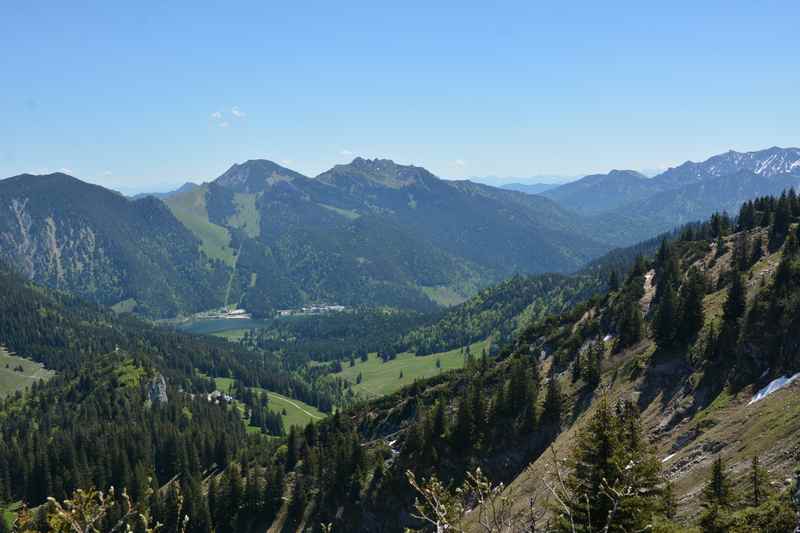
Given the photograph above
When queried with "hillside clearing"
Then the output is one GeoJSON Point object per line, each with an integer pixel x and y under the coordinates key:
{"type": "Point", "coordinates": [297, 413]}
{"type": "Point", "coordinates": [12, 380]}
{"type": "Point", "coordinates": [379, 378]}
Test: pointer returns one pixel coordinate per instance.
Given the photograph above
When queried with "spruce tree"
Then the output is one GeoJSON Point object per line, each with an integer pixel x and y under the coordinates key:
{"type": "Point", "coordinates": [630, 327]}
{"type": "Point", "coordinates": [594, 357]}
{"type": "Point", "coordinates": [741, 253]}
{"type": "Point", "coordinates": [736, 303]}
{"type": "Point", "coordinates": [461, 433]}
{"type": "Point", "coordinates": [613, 482]}
{"type": "Point", "coordinates": [666, 319]}
{"type": "Point", "coordinates": [716, 499]}
{"type": "Point", "coordinates": [757, 251]}
{"type": "Point", "coordinates": [670, 501]}
{"type": "Point", "coordinates": [553, 404]}
{"type": "Point", "coordinates": [691, 307]}
{"type": "Point", "coordinates": [780, 223]}
{"type": "Point", "coordinates": [758, 483]}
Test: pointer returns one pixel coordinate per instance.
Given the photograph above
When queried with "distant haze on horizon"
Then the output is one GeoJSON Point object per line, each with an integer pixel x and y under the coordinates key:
{"type": "Point", "coordinates": [143, 98]}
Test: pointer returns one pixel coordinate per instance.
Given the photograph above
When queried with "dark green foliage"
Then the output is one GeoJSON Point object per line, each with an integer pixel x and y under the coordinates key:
{"type": "Point", "coordinates": [335, 336]}
{"type": "Point", "coordinates": [780, 222]}
{"type": "Point", "coordinates": [614, 475]}
{"type": "Point", "coordinates": [109, 248]}
{"type": "Point", "coordinates": [62, 332]}
{"type": "Point", "coordinates": [717, 499]}
{"type": "Point", "coordinates": [736, 303]}
{"type": "Point", "coordinates": [759, 483]}
{"type": "Point", "coordinates": [374, 232]}
{"type": "Point", "coordinates": [553, 407]}
{"type": "Point", "coordinates": [690, 308]}
{"type": "Point", "coordinates": [630, 324]}
{"type": "Point", "coordinates": [665, 322]}
{"type": "Point", "coordinates": [498, 309]}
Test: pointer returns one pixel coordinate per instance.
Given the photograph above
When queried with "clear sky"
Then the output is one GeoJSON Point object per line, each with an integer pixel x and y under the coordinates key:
{"type": "Point", "coordinates": [140, 96]}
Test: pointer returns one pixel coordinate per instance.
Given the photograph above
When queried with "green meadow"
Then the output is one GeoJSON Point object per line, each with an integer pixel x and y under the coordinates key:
{"type": "Point", "coordinates": [297, 412]}
{"type": "Point", "coordinates": [379, 378]}
{"type": "Point", "coordinates": [12, 380]}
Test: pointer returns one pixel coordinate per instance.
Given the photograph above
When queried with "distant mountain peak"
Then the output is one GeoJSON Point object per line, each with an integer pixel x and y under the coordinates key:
{"type": "Point", "coordinates": [383, 172]}
{"type": "Point", "coordinates": [254, 175]}
{"type": "Point", "coordinates": [767, 163]}
{"type": "Point", "coordinates": [625, 172]}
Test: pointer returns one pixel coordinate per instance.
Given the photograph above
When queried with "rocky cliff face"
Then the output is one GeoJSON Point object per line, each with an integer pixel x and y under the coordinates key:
{"type": "Point", "coordinates": [81, 238]}
{"type": "Point", "coordinates": [157, 390]}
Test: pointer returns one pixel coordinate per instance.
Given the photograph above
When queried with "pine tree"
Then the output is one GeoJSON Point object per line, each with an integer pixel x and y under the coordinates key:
{"type": "Point", "coordinates": [553, 404]}
{"type": "Point", "coordinates": [757, 251]}
{"type": "Point", "coordinates": [758, 483]}
{"type": "Point", "coordinates": [594, 357]}
{"type": "Point", "coordinates": [741, 252]}
{"type": "Point", "coordinates": [780, 223]}
{"type": "Point", "coordinates": [666, 319]}
{"type": "Point", "coordinates": [613, 483]}
{"type": "Point", "coordinates": [736, 302]}
{"type": "Point", "coordinates": [717, 499]}
{"type": "Point", "coordinates": [691, 307]}
{"type": "Point", "coordinates": [438, 424]}
{"type": "Point", "coordinates": [670, 501]}
{"type": "Point", "coordinates": [291, 448]}
{"type": "Point", "coordinates": [630, 327]}
{"type": "Point", "coordinates": [747, 216]}
{"type": "Point", "coordinates": [791, 248]}
{"type": "Point", "coordinates": [461, 433]}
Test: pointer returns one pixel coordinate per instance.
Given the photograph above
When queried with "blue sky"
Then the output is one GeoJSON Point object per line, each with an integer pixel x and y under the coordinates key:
{"type": "Point", "coordinates": [144, 96]}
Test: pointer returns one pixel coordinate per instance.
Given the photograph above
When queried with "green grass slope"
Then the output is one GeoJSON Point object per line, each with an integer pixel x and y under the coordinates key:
{"type": "Point", "coordinates": [12, 380]}
{"type": "Point", "coordinates": [190, 209]}
{"type": "Point", "coordinates": [379, 378]}
{"type": "Point", "coordinates": [297, 412]}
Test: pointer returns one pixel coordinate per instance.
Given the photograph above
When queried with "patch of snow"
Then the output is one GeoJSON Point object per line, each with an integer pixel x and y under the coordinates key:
{"type": "Point", "coordinates": [774, 385]}
{"type": "Point", "coordinates": [608, 338]}
{"type": "Point", "coordinates": [667, 458]}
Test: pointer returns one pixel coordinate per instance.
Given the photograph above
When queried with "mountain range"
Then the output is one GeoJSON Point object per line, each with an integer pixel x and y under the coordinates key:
{"type": "Point", "coordinates": [265, 237]}
{"type": "Point", "coordinates": [641, 207]}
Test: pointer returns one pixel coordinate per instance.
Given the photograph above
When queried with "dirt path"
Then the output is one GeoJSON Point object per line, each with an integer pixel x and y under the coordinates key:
{"type": "Point", "coordinates": [290, 402]}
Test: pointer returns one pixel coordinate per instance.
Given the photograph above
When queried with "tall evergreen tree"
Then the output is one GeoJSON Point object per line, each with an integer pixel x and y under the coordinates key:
{"type": "Point", "coordinates": [758, 482]}
{"type": "Point", "coordinates": [691, 307]}
{"type": "Point", "coordinates": [665, 322]}
{"type": "Point", "coordinates": [717, 499]}
{"type": "Point", "coordinates": [736, 303]}
{"type": "Point", "coordinates": [553, 404]}
{"type": "Point", "coordinates": [630, 326]}
{"type": "Point", "coordinates": [613, 483]}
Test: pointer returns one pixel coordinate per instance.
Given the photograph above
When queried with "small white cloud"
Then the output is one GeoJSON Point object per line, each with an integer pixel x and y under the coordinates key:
{"type": "Point", "coordinates": [224, 124]}
{"type": "Point", "coordinates": [460, 163]}
{"type": "Point", "coordinates": [345, 152]}
{"type": "Point", "coordinates": [286, 162]}
{"type": "Point", "coordinates": [65, 170]}
{"type": "Point", "coordinates": [107, 173]}
{"type": "Point", "coordinates": [216, 115]}
{"type": "Point", "coordinates": [236, 112]}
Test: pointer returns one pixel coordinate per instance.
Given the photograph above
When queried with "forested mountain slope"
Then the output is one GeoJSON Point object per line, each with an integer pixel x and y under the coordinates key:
{"type": "Point", "coordinates": [393, 234]}
{"type": "Point", "coordinates": [601, 192]}
{"type": "Point", "coordinates": [74, 236]}
{"type": "Point", "coordinates": [685, 341]}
